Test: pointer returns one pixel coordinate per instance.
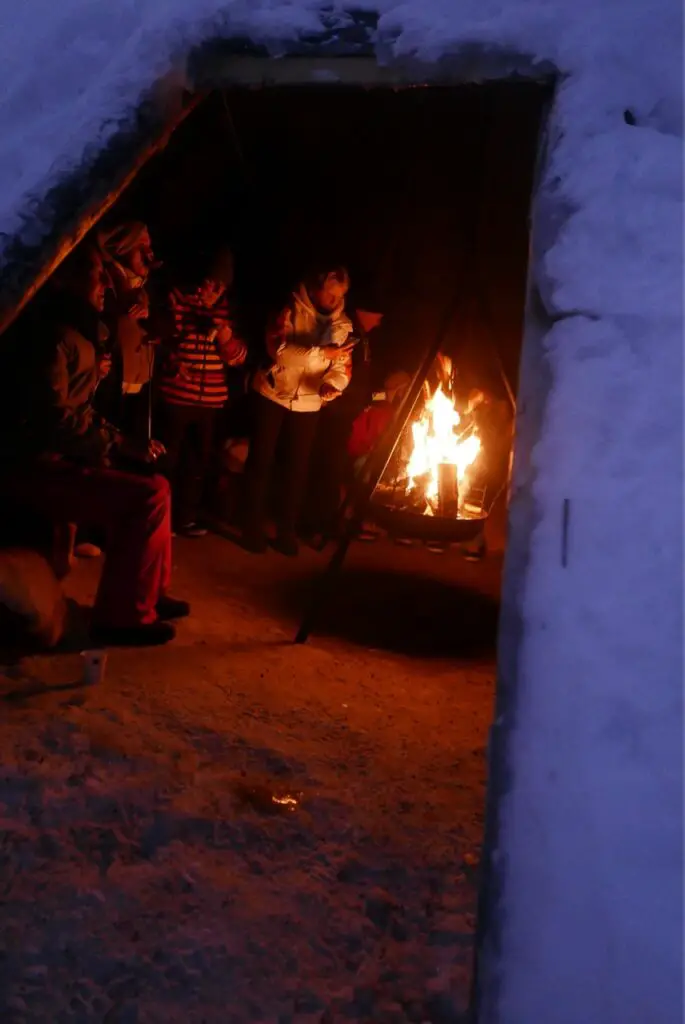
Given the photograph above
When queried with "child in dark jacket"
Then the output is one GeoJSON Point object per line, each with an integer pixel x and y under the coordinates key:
{"type": "Point", "coordinates": [193, 386]}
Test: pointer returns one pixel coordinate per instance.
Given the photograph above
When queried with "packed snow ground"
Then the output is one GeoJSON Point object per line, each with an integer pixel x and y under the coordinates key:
{"type": "Point", "coordinates": [147, 876]}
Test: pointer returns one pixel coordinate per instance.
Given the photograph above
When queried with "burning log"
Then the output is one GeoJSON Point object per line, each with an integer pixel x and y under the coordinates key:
{"type": "Point", "coordinates": [417, 495]}
{"type": "Point", "coordinates": [448, 489]}
{"type": "Point", "coordinates": [434, 459]}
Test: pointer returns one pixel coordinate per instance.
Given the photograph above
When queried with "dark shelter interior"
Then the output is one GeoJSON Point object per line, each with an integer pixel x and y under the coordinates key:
{"type": "Point", "coordinates": [423, 193]}
{"type": "Point", "coordinates": [301, 825]}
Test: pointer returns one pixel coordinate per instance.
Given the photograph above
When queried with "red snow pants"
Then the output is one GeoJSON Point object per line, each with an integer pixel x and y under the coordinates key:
{"type": "Point", "coordinates": [134, 511]}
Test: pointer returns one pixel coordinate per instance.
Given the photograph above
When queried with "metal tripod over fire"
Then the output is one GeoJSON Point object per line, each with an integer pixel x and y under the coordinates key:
{"type": "Point", "coordinates": [414, 493]}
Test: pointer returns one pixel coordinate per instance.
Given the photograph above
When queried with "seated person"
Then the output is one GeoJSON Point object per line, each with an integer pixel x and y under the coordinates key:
{"type": "Point", "coordinates": [123, 396]}
{"type": "Point", "coordinates": [369, 427]}
{"type": "Point", "coordinates": [194, 386]}
{"type": "Point", "coordinates": [367, 430]}
{"type": "Point", "coordinates": [59, 456]}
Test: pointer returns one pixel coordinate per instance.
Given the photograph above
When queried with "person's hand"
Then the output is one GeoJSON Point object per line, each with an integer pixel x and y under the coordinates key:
{"type": "Point", "coordinates": [335, 352]}
{"type": "Point", "coordinates": [104, 365]}
{"type": "Point", "coordinates": [224, 335]}
{"type": "Point", "coordinates": [136, 452]}
{"type": "Point", "coordinates": [131, 450]}
{"type": "Point", "coordinates": [327, 393]}
{"type": "Point", "coordinates": [156, 450]}
{"type": "Point", "coordinates": [140, 309]}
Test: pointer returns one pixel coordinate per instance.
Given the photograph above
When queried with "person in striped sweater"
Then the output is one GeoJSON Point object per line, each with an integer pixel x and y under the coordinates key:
{"type": "Point", "coordinates": [193, 387]}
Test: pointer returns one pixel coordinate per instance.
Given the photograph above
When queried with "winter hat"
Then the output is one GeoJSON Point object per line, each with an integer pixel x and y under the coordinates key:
{"type": "Point", "coordinates": [115, 245]}
{"type": "Point", "coordinates": [119, 241]}
{"type": "Point", "coordinates": [220, 265]}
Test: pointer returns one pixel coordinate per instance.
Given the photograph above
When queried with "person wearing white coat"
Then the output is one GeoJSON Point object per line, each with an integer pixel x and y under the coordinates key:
{"type": "Point", "coordinates": [309, 366]}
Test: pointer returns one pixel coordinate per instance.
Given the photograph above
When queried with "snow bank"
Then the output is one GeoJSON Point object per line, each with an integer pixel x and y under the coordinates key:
{"type": "Point", "coordinates": [591, 829]}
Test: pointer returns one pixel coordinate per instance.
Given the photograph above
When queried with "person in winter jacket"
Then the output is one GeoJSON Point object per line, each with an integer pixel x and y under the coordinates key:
{"type": "Point", "coordinates": [128, 258]}
{"type": "Point", "coordinates": [194, 387]}
{"type": "Point", "coordinates": [62, 458]}
{"type": "Point", "coordinates": [309, 367]}
{"type": "Point", "coordinates": [122, 395]}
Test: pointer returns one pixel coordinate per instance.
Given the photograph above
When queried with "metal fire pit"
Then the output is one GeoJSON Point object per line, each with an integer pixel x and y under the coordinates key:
{"type": "Point", "coordinates": [402, 521]}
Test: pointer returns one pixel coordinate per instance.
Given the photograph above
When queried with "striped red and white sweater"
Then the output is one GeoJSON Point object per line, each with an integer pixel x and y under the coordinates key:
{"type": "Point", "coordinates": [202, 346]}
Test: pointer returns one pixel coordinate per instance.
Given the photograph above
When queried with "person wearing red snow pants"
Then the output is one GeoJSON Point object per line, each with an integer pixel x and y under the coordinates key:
{"type": "Point", "coordinates": [60, 460]}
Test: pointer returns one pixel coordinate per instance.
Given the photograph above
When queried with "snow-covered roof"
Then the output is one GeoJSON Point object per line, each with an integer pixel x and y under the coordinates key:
{"type": "Point", "coordinates": [74, 72]}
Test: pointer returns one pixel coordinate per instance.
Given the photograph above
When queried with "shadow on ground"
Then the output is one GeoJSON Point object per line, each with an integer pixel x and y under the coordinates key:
{"type": "Point", "coordinates": [410, 614]}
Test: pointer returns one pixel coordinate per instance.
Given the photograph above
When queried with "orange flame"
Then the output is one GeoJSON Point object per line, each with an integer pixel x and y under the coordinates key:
{"type": "Point", "coordinates": [435, 442]}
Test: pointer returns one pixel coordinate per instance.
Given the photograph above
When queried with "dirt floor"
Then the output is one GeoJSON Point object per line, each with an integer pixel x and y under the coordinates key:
{"type": "Point", "coordinates": [148, 872]}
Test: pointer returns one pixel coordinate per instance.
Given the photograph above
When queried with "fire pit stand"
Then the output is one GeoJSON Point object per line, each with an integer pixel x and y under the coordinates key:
{"type": "Point", "coordinates": [364, 502]}
{"type": "Point", "coordinates": [406, 522]}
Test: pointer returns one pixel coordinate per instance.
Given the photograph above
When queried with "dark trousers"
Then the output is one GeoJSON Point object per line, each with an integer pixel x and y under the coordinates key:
{"type": "Point", "coordinates": [129, 413]}
{"type": "Point", "coordinates": [296, 432]}
{"type": "Point", "coordinates": [135, 412]}
{"type": "Point", "coordinates": [330, 469]}
{"type": "Point", "coordinates": [187, 432]}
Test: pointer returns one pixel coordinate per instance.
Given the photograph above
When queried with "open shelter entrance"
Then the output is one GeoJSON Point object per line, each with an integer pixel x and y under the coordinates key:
{"type": "Point", "coordinates": [424, 193]}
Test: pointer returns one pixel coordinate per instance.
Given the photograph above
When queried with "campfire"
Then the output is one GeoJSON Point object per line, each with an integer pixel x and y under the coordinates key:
{"type": "Point", "coordinates": [439, 453]}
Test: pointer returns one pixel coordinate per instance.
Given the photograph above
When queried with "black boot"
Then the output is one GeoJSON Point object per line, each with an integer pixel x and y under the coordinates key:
{"type": "Point", "coordinates": [172, 608]}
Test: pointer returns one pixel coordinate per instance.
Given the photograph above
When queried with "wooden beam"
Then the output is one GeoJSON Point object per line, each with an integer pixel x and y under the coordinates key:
{"type": "Point", "coordinates": [58, 252]}
{"type": "Point", "coordinates": [362, 71]}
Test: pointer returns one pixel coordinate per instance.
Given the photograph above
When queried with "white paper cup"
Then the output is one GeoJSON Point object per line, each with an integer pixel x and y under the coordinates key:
{"type": "Point", "coordinates": [94, 664]}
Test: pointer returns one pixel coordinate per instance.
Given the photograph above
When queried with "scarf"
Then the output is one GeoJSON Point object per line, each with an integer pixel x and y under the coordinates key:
{"type": "Point", "coordinates": [323, 320]}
